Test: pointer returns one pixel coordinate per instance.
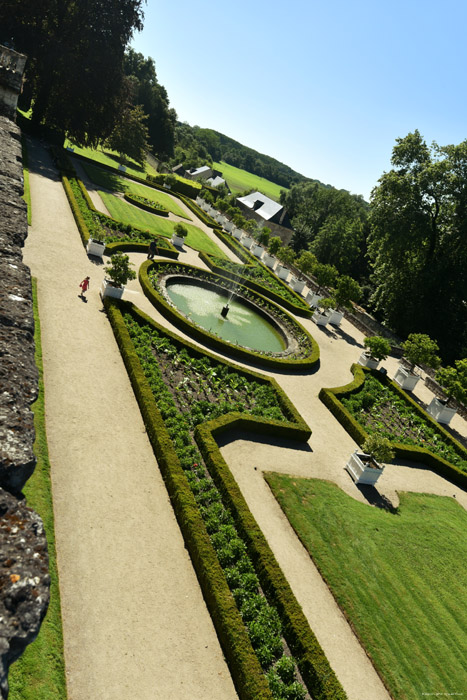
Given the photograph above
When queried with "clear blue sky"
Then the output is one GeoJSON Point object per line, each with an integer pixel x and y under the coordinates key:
{"type": "Point", "coordinates": [324, 87]}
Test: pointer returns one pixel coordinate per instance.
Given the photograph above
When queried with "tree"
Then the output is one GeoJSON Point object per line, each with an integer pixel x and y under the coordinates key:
{"type": "Point", "coordinates": [286, 255]}
{"type": "Point", "coordinates": [379, 447]}
{"type": "Point", "coordinates": [274, 244]}
{"type": "Point", "coordinates": [75, 66]}
{"type": "Point", "coordinates": [326, 275]}
{"type": "Point", "coordinates": [306, 262]}
{"type": "Point", "coordinates": [119, 269]}
{"type": "Point", "coordinates": [378, 347]}
{"type": "Point", "coordinates": [180, 230]}
{"type": "Point", "coordinates": [420, 349]}
{"type": "Point", "coordinates": [347, 291]}
{"type": "Point", "coordinates": [418, 242]}
{"type": "Point", "coordinates": [338, 242]}
{"type": "Point", "coordinates": [454, 380]}
{"type": "Point", "coordinates": [130, 135]}
{"type": "Point", "coordinates": [264, 235]}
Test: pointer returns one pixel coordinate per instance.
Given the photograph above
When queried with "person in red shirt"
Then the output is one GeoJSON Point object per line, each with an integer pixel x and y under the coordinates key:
{"type": "Point", "coordinates": [84, 287]}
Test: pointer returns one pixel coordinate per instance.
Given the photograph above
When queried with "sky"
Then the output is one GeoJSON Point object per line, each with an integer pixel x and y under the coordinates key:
{"type": "Point", "coordinates": [324, 87]}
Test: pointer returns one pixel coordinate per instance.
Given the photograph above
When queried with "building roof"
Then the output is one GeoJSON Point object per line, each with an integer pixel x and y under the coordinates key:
{"type": "Point", "coordinates": [194, 172]}
{"type": "Point", "coordinates": [216, 181]}
{"type": "Point", "coordinates": [263, 206]}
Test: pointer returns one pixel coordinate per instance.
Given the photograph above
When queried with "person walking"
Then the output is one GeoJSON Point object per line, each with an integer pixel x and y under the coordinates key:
{"type": "Point", "coordinates": [84, 287]}
{"type": "Point", "coordinates": [152, 250]}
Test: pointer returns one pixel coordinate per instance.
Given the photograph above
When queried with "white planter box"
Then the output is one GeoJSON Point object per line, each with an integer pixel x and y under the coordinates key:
{"type": "Point", "coordinates": [440, 412]}
{"type": "Point", "coordinates": [320, 319]}
{"type": "Point", "coordinates": [282, 272]}
{"type": "Point", "coordinates": [212, 212]}
{"type": "Point", "coordinates": [122, 168]}
{"type": "Point", "coordinates": [177, 240]}
{"type": "Point", "coordinates": [228, 225]}
{"type": "Point", "coordinates": [368, 361]}
{"type": "Point", "coordinates": [313, 299]}
{"type": "Point", "coordinates": [270, 261]}
{"type": "Point", "coordinates": [247, 242]}
{"type": "Point", "coordinates": [199, 201]}
{"type": "Point", "coordinates": [108, 290]}
{"type": "Point", "coordinates": [95, 248]}
{"type": "Point", "coordinates": [298, 286]}
{"type": "Point", "coordinates": [258, 251]}
{"type": "Point", "coordinates": [336, 317]}
{"type": "Point", "coordinates": [360, 471]}
{"type": "Point", "coordinates": [237, 233]}
{"type": "Point", "coordinates": [220, 218]}
{"type": "Point", "coordinates": [406, 379]}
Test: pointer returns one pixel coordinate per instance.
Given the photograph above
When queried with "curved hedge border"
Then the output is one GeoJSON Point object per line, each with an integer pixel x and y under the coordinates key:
{"type": "Point", "coordinates": [330, 397]}
{"type": "Point", "coordinates": [246, 672]}
{"type": "Point", "coordinates": [212, 340]}
{"type": "Point", "coordinates": [157, 210]}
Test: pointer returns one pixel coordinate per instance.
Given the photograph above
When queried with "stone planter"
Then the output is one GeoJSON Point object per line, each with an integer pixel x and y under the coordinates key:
{"type": "Point", "coordinates": [177, 240]}
{"type": "Point", "coordinates": [313, 299]}
{"type": "Point", "coordinates": [95, 248]}
{"type": "Point", "coordinates": [237, 233]}
{"type": "Point", "coordinates": [298, 286]}
{"type": "Point", "coordinates": [212, 212]}
{"type": "Point", "coordinates": [336, 317]}
{"type": "Point", "coordinates": [406, 379]}
{"type": "Point", "coordinates": [368, 361]}
{"type": "Point", "coordinates": [282, 272]}
{"type": "Point", "coordinates": [440, 412]}
{"type": "Point", "coordinates": [108, 290]}
{"type": "Point", "coordinates": [363, 468]}
{"type": "Point", "coordinates": [320, 319]}
{"type": "Point", "coordinates": [247, 242]}
{"type": "Point", "coordinates": [258, 251]}
{"type": "Point", "coordinates": [199, 201]}
{"type": "Point", "coordinates": [270, 261]}
{"type": "Point", "coordinates": [229, 226]}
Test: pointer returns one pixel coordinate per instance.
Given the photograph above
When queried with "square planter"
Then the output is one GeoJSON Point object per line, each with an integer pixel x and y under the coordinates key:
{"type": "Point", "coordinates": [440, 412]}
{"type": "Point", "coordinates": [177, 240]}
{"type": "Point", "coordinates": [282, 272]}
{"type": "Point", "coordinates": [320, 319]}
{"type": "Point", "coordinates": [270, 261]}
{"type": "Point", "coordinates": [406, 379]}
{"type": "Point", "coordinates": [258, 251]}
{"type": "Point", "coordinates": [367, 361]}
{"type": "Point", "coordinates": [363, 468]}
{"type": "Point", "coordinates": [228, 226]}
{"type": "Point", "coordinates": [108, 290]}
{"type": "Point", "coordinates": [237, 233]}
{"type": "Point", "coordinates": [247, 242]}
{"type": "Point", "coordinates": [313, 299]}
{"type": "Point", "coordinates": [298, 286]}
{"type": "Point", "coordinates": [95, 248]}
{"type": "Point", "coordinates": [336, 317]}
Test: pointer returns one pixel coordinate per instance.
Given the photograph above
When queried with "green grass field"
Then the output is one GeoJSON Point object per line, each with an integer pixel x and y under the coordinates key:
{"type": "Point", "coordinates": [39, 674]}
{"type": "Point", "coordinates": [240, 180]}
{"type": "Point", "coordinates": [399, 577]}
{"type": "Point", "coordinates": [127, 214]}
{"type": "Point", "coordinates": [111, 181]}
{"type": "Point", "coordinates": [108, 157]}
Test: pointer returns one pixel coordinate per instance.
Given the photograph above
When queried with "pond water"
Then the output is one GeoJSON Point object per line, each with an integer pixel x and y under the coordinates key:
{"type": "Point", "coordinates": [242, 325]}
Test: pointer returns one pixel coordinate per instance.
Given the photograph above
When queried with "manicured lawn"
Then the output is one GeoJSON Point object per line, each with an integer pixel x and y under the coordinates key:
{"type": "Point", "coordinates": [400, 578]}
{"type": "Point", "coordinates": [108, 157]}
{"type": "Point", "coordinates": [110, 181]}
{"type": "Point", "coordinates": [241, 180]}
{"type": "Point", "coordinates": [39, 674]}
{"type": "Point", "coordinates": [127, 214]}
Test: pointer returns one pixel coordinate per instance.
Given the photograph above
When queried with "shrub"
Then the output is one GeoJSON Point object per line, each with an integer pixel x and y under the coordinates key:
{"type": "Point", "coordinates": [378, 347]}
{"type": "Point", "coordinates": [119, 269]}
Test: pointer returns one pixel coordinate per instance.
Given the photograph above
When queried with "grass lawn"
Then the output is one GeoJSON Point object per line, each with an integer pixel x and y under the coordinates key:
{"type": "Point", "coordinates": [400, 578]}
{"type": "Point", "coordinates": [127, 214]}
{"type": "Point", "coordinates": [108, 157]}
{"type": "Point", "coordinates": [39, 674]}
{"type": "Point", "coordinates": [103, 178]}
{"type": "Point", "coordinates": [240, 180]}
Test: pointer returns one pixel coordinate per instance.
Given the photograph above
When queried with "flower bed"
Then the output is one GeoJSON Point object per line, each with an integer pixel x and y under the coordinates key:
{"type": "Point", "coordinates": [146, 204]}
{"type": "Point", "coordinates": [185, 383]}
{"type": "Point", "coordinates": [381, 407]}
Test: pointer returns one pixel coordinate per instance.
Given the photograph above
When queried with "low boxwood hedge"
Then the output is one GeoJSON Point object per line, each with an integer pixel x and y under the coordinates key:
{"type": "Point", "coordinates": [331, 398]}
{"type": "Point", "coordinates": [214, 341]}
{"type": "Point", "coordinates": [146, 204]}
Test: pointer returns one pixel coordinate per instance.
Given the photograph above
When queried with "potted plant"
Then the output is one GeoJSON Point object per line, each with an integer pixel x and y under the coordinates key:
{"type": "Point", "coordinates": [179, 234]}
{"type": "Point", "coordinates": [323, 312]}
{"type": "Point", "coordinates": [419, 349]}
{"type": "Point", "coordinates": [118, 274]}
{"type": "Point", "coordinates": [366, 466]}
{"type": "Point", "coordinates": [347, 291]}
{"type": "Point", "coordinates": [378, 349]}
{"type": "Point", "coordinates": [454, 381]}
{"type": "Point", "coordinates": [96, 245]}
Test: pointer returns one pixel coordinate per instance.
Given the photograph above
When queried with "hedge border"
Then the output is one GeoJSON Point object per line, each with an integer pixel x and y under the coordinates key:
{"type": "Point", "coordinates": [202, 216]}
{"type": "Point", "coordinates": [213, 341]}
{"type": "Point", "coordinates": [147, 207]}
{"type": "Point", "coordinates": [331, 399]}
{"type": "Point", "coordinates": [314, 666]}
{"type": "Point", "coordinates": [247, 258]}
{"type": "Point", "coordinates": [246, 671]}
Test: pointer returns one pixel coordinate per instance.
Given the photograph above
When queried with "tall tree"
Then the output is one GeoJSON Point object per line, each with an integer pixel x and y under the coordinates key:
{"type": "Point", "coordinates": [418, 242]}
{"type": "Point", "coordinates": [75, 66]}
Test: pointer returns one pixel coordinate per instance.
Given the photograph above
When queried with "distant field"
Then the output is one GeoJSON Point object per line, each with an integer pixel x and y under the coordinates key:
{"type": "Point", "coordinates": [240, 180]}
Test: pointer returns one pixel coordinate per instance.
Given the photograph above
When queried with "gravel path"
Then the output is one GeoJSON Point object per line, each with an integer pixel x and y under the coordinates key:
{"type": "Point", "coordinates": [130, 582]}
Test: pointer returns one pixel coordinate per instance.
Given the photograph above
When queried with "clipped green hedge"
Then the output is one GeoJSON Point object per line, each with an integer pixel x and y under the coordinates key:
{"type": "Point", "coordinates": [246, 671]}
{"type": "Point", "coordinates": [330, 397]}
{"type": "Point", "coordinates": [205, 218]}
{"type": "Point", "coordinates": [159, 210]}
{"type": "Point", "coordinates": [180, 187]}
{"type": "Point", "coordinates": [76, 211]}
{"type": "Point", "coordinates": [213, 341]}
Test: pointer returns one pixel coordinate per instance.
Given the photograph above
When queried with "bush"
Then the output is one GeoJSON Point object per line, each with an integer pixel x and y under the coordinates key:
{"type": "Point", "coordinates": [378, 347]}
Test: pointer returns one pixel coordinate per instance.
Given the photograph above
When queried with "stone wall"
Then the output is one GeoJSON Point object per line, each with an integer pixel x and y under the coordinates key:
{"type": "Point", "coordinates": [11, 79]}
{"type": "Point", "coordinates": [24, 577]}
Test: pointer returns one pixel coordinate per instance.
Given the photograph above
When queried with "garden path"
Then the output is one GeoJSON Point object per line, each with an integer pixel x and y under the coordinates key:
{"type": "Point", "coordinates": [324, 457]}
{"type": "Point", "coordinates": [135, 623]}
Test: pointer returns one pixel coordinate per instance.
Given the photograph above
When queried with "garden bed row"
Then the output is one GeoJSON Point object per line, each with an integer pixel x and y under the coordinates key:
{"type": "Point", "coordinates": [169, 448]}
{"type": "Point", "coordinates": [309, 346]}
{"type": "Point", "coordinates": [332, 399]}
{"type": "Point", "coordinates": [146, 204]}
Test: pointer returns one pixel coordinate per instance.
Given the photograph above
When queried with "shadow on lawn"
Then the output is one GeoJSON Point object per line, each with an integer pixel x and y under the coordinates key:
{"type": "Point", "coordinates": [374, 498]}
